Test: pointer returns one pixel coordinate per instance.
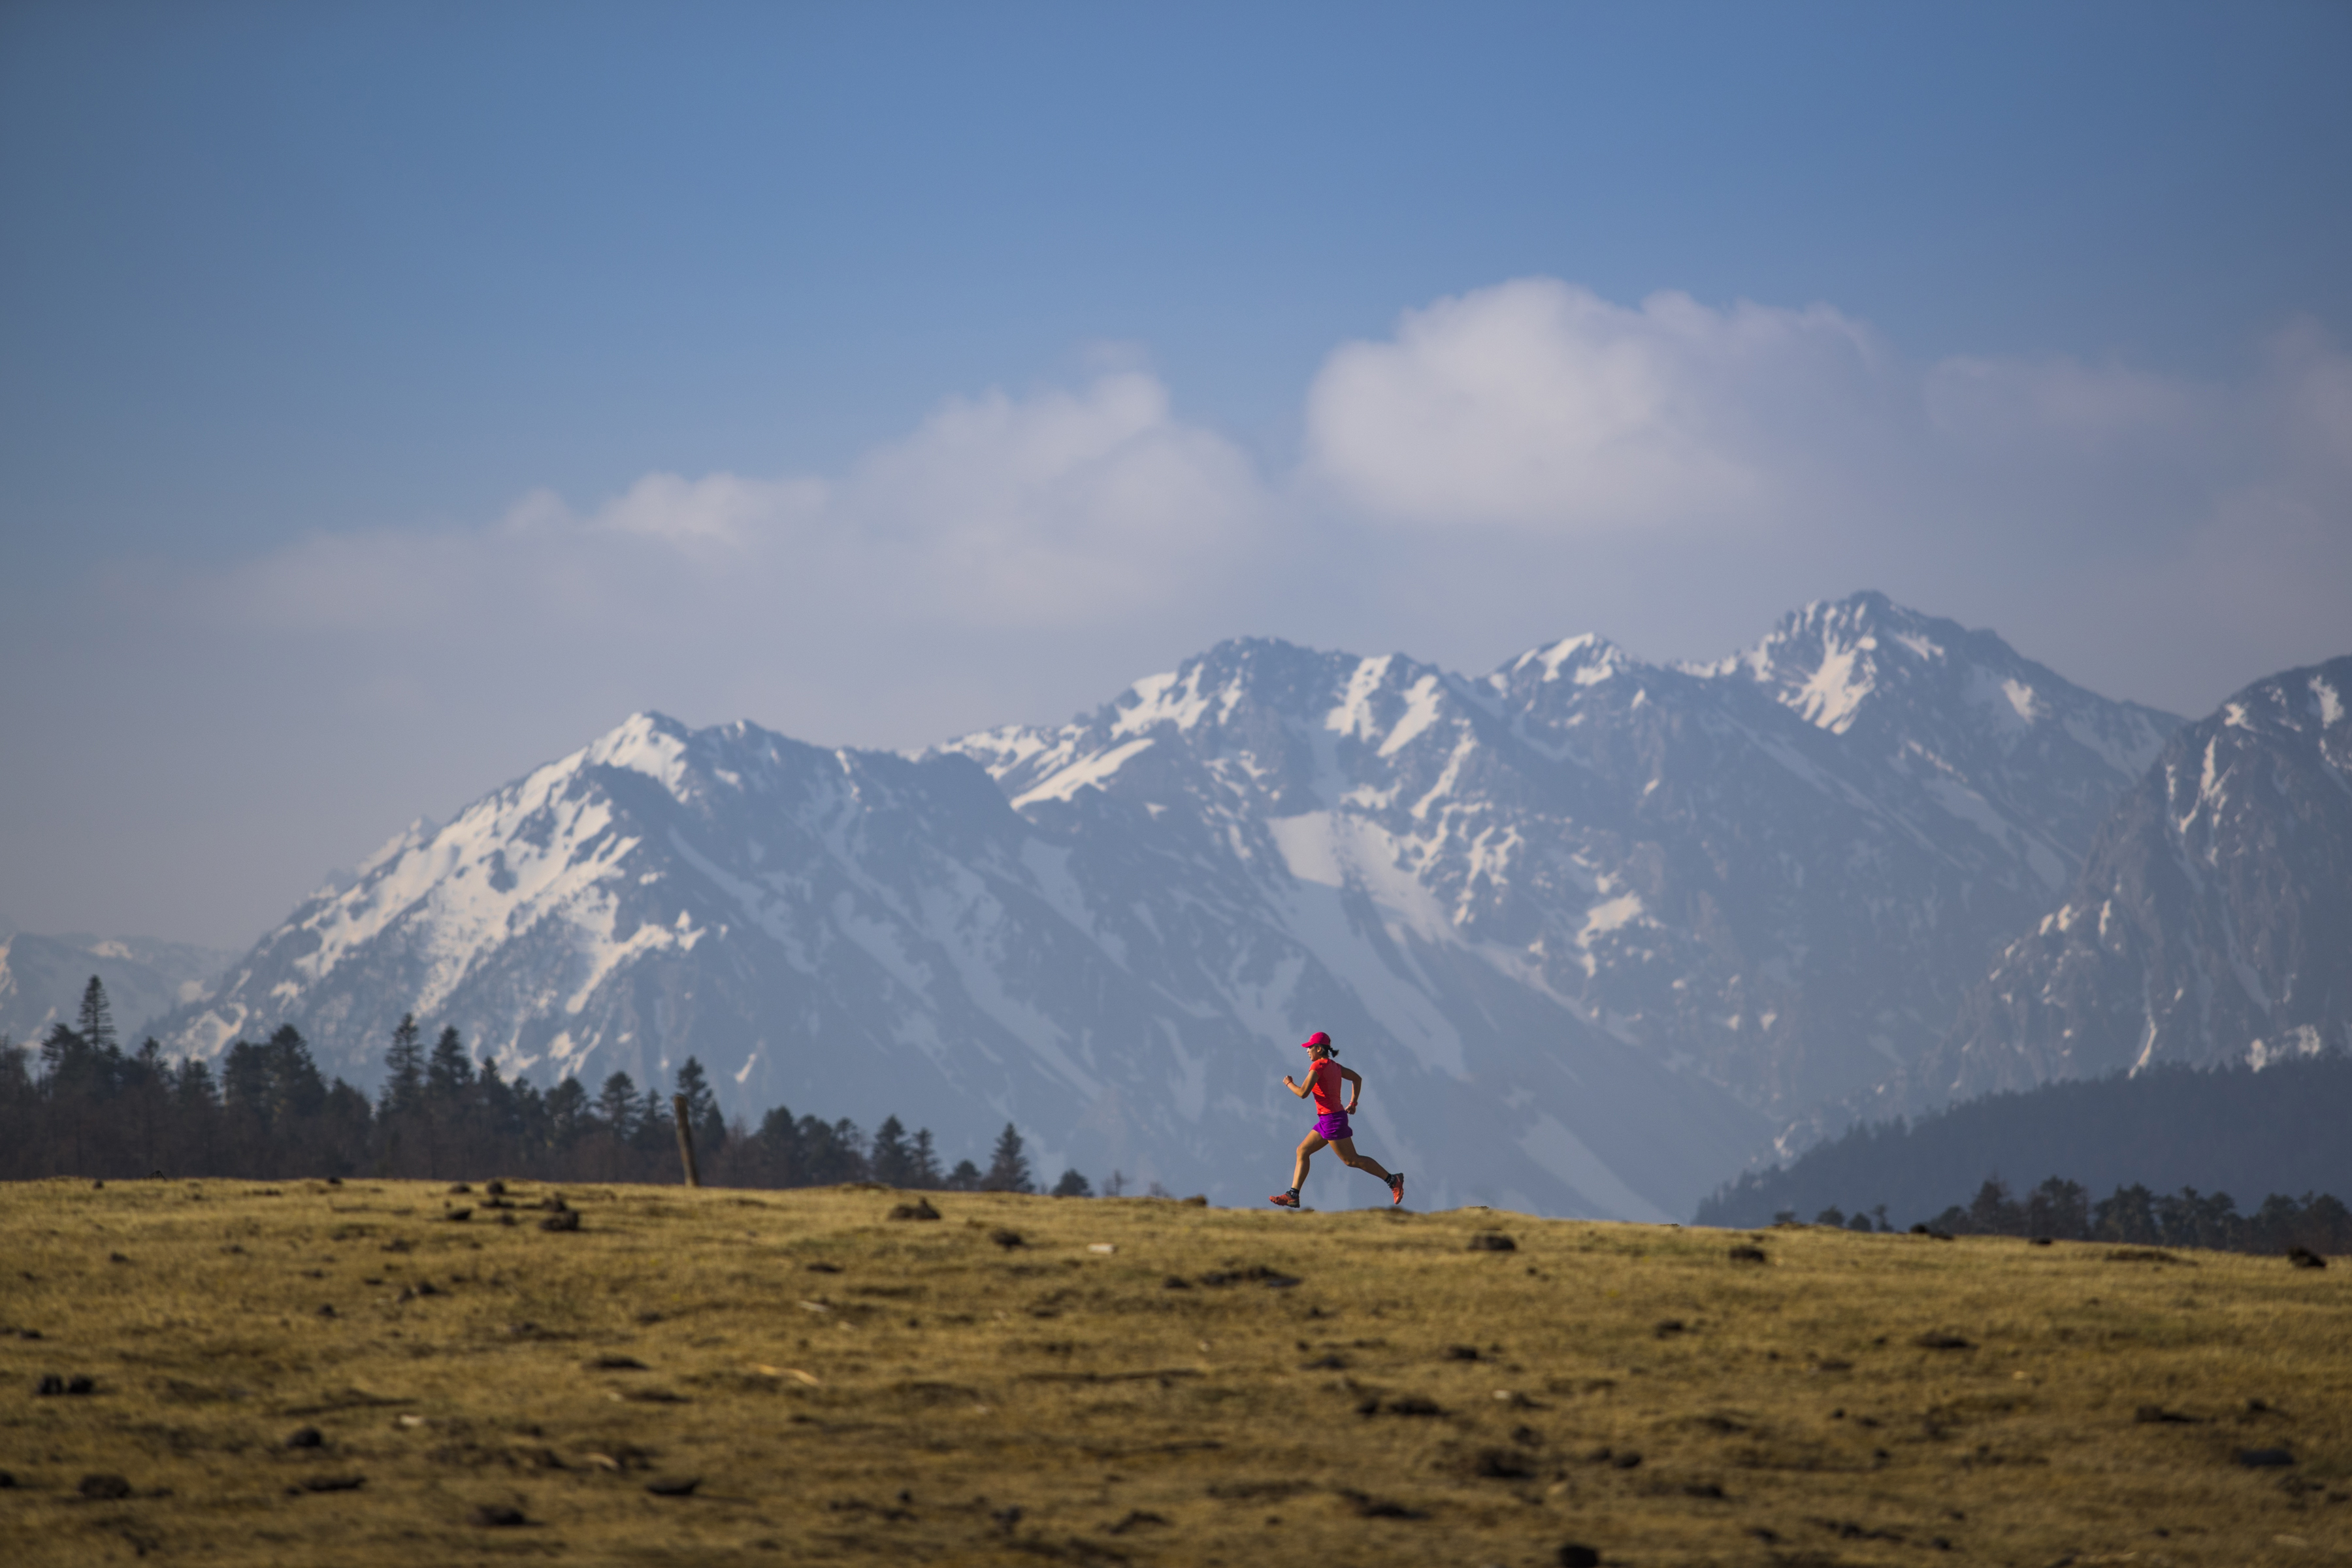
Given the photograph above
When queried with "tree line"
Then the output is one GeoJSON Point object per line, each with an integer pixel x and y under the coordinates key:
{"type": "Point", "coordinates": [2195, 1134]}
{"type": "Point", "coordinates": [79, 1104]}
{"type": "Point", "coordinates": [2062, 1210]}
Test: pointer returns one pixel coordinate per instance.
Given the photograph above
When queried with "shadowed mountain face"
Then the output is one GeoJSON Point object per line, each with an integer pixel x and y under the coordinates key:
{"type": "Point", "coordinates": [1589, 927]}
{"type": "Point", "coordinates": [2212, 922]}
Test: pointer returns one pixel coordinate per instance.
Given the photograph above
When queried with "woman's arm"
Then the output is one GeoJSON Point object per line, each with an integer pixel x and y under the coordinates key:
{"type": "Point", "coordinates": [1355, 1087]}
{"type": "Point", "coordinates": [1300, 1090]}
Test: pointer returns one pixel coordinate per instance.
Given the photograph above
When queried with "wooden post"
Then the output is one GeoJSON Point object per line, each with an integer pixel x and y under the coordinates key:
{"type": "Point", "coordinates": [684, 1139]}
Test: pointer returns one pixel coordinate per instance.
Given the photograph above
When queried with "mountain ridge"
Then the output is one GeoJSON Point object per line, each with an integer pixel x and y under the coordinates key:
{"type": "Point", "coordinates": [1601, 924]}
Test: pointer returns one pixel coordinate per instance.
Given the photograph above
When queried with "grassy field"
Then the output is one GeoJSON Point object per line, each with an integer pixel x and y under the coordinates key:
{"type": "Point", "coordinates": [322, 1374]}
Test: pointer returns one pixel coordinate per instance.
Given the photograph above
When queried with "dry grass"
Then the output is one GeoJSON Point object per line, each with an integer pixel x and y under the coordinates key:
{"type": "Point", "coordinates": [939, 1397]}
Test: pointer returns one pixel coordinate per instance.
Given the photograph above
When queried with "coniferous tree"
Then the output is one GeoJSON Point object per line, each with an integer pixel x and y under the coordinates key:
{"type": "Point", "coordinates": [527, 1115]}
{"type": "Point", "coordinates": [148, 1086]}
{"type": "Point", "coordinates": [343, 1122]}
{"type": "Point", "coordinates": [448, 1080]}
{"type": "Point", "coordinates": [295, 1088]}
{"type": "Point", "coordinates": [568, 1112]}
{"type": "Point", "coordinates": [656, 1131]}
{"type": "Point", "coordinates": [1991, 1212]}
{"type": "Point", "coordinates": [616, 1106]}
{"type": "Point", "coordinates": [196, 1115]}
{"type": "Point", "coordinates": [893, 1159]}
{"type": "Point", "coordinates": [2059, 1209]}
{"type": "Point", "coordinates": [508, 1115]}
{"type": "Point", "coordinates": [702, 1114]}
{"type": "Point", "coordinates": [774, 1153]}
{"type": "Point", "coordinates": [96, 1024]}
{"type": "Point", "coordinates": [64, 1055]}
{"type": "Point", "coordinates": [194, 1087]}
{"type": "Point", "coordinates": [831, 1152]}
{"type": "Point", "coordinates": [245, 1083]}
{"type": "Point", "coordinates": [403, 1065]}
{"type": "Point", "coordinates": [19, 1111]}
{"type": "Point", "coordinates": [926, 1161]}
{"type": "Point", "coordinates": [965, 1178]}
{"type": "Point", "coordinates": [1073, 1185]}
{"type": "Point", "coordinates": [450, 1072]}
{"type": "Point", "coordinates": [245, 1107]}
{"type": "Point", "coordinates": [1008, 1169]}
{"type": "Point", "coordinates": [2127, 1216]}
{"type": "Point", "coordinates": [500, 1102]}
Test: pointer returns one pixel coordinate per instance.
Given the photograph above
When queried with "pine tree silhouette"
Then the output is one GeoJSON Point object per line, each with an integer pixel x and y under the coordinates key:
{"type": "Point", "coordinates": [1008, 1169]}
{"type": "Point", "coordinates": [702, 1115]}
{"type": "Point", "coordinates": [926, 1162]}
{"type": "Point", "coordinates": [616, 1106]}
{"type": "Point", "coordinates": [96, 1026]}
{"type": "Point", "coordinates": [893, 1159]}
{"type": "Point", "coordinates": [450, 1073]}
{"type": "Point", "coordinates": [404, 1069]}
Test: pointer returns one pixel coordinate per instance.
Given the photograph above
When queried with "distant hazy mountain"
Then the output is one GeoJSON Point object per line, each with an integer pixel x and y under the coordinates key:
{"type": "Point", "coordinates": [1592, 927]}
{"type": "Point", "coordinates": [42, 979]}
{"type": "Point", "coordinates": [2212, 922]}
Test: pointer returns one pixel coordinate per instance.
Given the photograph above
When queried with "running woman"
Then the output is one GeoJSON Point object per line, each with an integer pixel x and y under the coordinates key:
{"type": "Point", "coordinates": [1323, 1081]}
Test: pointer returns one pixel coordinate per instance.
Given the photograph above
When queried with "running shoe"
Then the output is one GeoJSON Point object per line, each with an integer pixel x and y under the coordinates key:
{"type": "Point", "coordinates": [1285, 1200]}
{"type": "Point", "coordinates": [1396, 1188]}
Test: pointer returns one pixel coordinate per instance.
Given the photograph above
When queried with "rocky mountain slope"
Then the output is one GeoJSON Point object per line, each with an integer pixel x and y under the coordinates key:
{"type": "Point", "coordinates": [2212, 922]}
{"type": "Point", "coordinates": [1592, 927]}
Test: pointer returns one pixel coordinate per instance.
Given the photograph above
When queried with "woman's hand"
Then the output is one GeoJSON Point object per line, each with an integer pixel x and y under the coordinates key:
{"type": "Point", "coordinates": [1352, 1108]}
{"type": "Point", "coordinates": [1289, 1083]}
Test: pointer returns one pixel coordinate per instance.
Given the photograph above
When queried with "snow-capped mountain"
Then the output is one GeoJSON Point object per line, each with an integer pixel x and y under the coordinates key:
{"type": "Point", "coordinates": [1590, 927]}
{"type": "Point", "coordinates": [2212, 922]}
{"type": "Point", "coordinates": [1996, 739]}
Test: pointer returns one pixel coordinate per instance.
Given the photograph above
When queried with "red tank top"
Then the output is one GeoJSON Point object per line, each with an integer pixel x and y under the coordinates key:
{"type": "Point", "coordinates": [1327, 1083]}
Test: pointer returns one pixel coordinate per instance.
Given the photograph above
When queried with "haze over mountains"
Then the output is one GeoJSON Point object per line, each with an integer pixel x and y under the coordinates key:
{"type": "Point", "coordinates": [41, 977]}
{"type": "Point", "coordinates": [1595, 929]}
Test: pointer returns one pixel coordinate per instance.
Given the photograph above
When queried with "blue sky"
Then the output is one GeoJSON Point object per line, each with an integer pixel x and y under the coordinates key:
{"type": "Point", "coordinates": [996, 356]}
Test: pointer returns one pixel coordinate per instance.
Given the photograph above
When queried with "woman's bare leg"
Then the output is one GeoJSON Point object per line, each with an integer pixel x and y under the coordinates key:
{"type": "Point", "coordinates": [1307, 1149]}
{"type": "Point", "coordinates": [1348, 1156]}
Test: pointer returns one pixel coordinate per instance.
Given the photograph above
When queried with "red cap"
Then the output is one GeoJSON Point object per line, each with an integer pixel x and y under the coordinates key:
{"type": "Point", "coordinates": [1317, 1039]}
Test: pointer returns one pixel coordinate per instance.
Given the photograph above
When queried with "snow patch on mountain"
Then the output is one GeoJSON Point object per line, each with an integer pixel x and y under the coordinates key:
{"type": "Point", "coordinates": [1086, 773]}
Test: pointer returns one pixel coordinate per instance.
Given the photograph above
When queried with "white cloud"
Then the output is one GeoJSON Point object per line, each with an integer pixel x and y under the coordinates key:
{"type": "Point", "coordinates": [1531, 455]}
{"type": "Point", "coordinates": [722, 509]}
{"type": "Point", "coordinates": [1513, 464]}
{"type": "Point", "coordinates": [1058, 510]}
{"type": "Point", "coordinates": [1062, 509]}
{"type": "Point", "coordinates": [1536, 405]}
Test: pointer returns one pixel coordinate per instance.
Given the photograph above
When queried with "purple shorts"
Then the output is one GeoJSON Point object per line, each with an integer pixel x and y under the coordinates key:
{"type": "Point", "coordinates": [1333, 1126]}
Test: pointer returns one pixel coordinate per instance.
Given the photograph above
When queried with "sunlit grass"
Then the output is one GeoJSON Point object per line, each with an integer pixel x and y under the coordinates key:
{"type": "Point", "coordinates": [1359, 1386]}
